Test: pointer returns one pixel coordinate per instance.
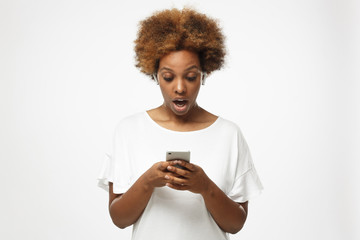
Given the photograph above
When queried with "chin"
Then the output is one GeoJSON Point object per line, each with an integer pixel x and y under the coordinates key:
{"type": "Point", "coordinates": [180, 113]}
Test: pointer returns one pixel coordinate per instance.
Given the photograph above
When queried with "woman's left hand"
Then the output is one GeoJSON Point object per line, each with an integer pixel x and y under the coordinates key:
{"type": "Point", "coordinates": [229, 215]}
{"type": "Point", "coordinates": [193, 178]}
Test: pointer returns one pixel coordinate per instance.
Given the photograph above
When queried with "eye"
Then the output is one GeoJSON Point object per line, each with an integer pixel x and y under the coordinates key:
{"type": "Point", "coordinates": [168, 77]}
{"type": "Point", "coordinates": [192, 76]}
{"type": "Point", "coordinates": [191, 79]}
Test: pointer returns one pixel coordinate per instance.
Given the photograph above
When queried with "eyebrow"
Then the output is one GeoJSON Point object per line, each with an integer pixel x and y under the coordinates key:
{"type": "Point", "coordinates": [188, 69]}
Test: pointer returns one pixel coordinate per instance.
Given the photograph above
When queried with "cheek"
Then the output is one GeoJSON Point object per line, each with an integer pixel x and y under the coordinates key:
{"type": "Point", "coordinates": [165, 93]}
{"type": "Point", "coordinates": [195, 91]}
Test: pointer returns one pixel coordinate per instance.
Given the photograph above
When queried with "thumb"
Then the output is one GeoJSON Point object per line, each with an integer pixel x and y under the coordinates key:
{"type": "Point", "coordinates": [163, 165]}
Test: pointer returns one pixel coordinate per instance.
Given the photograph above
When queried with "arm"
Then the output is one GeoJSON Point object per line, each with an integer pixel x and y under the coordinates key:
{"type": "Point", "coordinates": [126, 208]}
{"type": "Point", "coordinates": [229, 215]}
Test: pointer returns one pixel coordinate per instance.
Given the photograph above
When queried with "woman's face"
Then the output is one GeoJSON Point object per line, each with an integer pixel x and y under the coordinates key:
{"type": "Point", "coordinates": [179, 78]}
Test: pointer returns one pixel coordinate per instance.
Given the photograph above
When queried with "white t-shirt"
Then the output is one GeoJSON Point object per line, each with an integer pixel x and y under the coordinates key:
{"type": "Point", "coordinates": [220, 150]}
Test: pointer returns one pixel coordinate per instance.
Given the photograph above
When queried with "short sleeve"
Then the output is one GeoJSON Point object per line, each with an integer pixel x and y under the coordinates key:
{"type": "Point", "coordinates": [105, 174]}
{"type": "Point", "coordinates": [247, 183]}
{"type": "Point", "coordinates": [116, 166]}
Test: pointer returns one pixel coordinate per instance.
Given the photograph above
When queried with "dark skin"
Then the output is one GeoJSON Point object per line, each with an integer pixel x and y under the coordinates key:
{"type": "Point", "coordinates": [178, 80]}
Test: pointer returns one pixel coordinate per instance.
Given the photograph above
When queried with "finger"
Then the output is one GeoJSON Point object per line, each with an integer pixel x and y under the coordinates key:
{"type": "Point", "coordinates": [189, 166]}
{"type": "Point", "coordinates": [178, 171]}
{"type": "Point", "coordinates": [163, 165]}
{"type": "Point", "coordinates": [173, 174]}
{"type": "Point", "coordinates": [175, 180]}
{"type": "Point", "coordinates": [177, 187]}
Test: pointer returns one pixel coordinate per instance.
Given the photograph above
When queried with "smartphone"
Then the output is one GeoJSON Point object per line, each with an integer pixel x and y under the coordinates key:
{"type": "Point", "coordinates": [178, 155]}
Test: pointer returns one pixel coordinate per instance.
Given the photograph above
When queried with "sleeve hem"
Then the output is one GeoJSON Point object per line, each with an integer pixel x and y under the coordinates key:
{"type": "Point", "coordinates": [104, 184]}
{"type": "Point", "coordinates": [243, 199]}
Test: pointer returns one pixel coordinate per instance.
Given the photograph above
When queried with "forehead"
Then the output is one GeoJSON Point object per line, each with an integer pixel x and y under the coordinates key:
{"type": "Point", "coordinates": [179, 60]}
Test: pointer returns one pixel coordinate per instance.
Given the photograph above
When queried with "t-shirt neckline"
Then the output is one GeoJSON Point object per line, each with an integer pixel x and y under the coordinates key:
{"type": "Point", "coordinates": [147, 116]}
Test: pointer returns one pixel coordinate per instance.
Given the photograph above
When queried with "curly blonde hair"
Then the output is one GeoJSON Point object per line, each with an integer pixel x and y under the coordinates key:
{"type": "Point", "coordinates": [173, 30]}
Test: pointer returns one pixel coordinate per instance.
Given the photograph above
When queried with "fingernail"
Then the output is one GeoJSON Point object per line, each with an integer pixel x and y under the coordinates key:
{"type": "Point", "coordinates": [169, 167]}
{"type": "Point", "coordinates": [167, 177]}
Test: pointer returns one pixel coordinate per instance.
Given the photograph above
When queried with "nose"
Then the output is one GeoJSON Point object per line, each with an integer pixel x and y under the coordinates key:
{"type": "Point", "coordinates": [180, 86]}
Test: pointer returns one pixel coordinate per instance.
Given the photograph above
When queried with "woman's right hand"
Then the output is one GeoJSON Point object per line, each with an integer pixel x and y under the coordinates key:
{"type": "Point", "coordinates": [155, 176]}
{"type": "Point", "coordinates": [126, 208]}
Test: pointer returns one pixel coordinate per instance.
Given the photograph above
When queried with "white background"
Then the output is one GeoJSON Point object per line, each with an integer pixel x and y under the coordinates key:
{"type": "Point", "coordinates": [291, 82]}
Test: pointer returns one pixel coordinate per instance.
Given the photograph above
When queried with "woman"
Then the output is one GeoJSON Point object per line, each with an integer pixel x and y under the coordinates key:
{"type": "Point", "coordinates": [208, 197]}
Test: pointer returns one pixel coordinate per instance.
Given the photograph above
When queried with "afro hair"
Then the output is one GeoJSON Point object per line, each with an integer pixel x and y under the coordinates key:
{"type": "Point", "coordinates": [173, 30]}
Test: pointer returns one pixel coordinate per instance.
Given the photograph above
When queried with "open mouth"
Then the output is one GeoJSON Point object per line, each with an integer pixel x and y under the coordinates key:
{"type": "Point", "coordinates": [180, 104]}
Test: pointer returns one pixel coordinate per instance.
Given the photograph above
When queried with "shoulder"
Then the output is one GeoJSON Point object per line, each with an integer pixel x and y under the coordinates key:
{"type": "Point", "coordinates": [228, 125]}
{"type": "Point", "coordinates": [131, 122]}
{"type": "Point", "coordinates": [230, 129]}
